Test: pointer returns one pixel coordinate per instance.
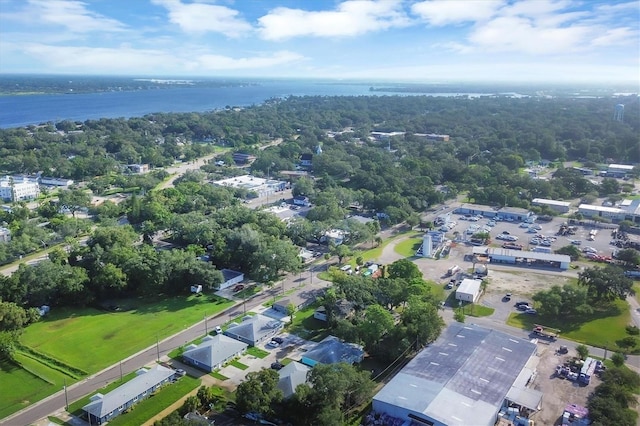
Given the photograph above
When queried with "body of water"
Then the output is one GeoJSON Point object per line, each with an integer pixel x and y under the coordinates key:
{"type": "Point", "coordinates": [23, 110]}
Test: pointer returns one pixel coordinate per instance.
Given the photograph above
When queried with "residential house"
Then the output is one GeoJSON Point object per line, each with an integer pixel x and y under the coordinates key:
{"type": "Point", "coordinates": [5, 235]}
{"type": "Point", "coordinates": [291, 376]}
{"type": "Point", "coordinates": [306, 160]}
{"type": "Point", "coordinates": [332, 350]}
{"type": "Point", "coordinates": [103, 408]}
{"type": "Point", "coordinates": [231, 278]}
{"type": "Point", "coordinates": [214, 352]}
{"type": "Point", "coordinates": [254, 329]}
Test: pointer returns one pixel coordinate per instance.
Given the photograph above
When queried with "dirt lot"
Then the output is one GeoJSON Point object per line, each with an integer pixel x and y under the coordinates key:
{"type": "Point", "coordinates": [557, 392]}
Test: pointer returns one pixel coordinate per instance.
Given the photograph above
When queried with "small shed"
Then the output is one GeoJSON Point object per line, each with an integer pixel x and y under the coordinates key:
{"type": "Point", "coordinates": [469, 290]}
{"type": "Point", "coordinates": [282, 306]}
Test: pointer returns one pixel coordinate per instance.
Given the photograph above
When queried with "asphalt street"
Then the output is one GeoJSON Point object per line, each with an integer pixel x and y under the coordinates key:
{"type": "Point", "coordinates": [76, 391]}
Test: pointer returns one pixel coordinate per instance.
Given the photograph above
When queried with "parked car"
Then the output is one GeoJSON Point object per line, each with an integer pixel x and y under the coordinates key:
{"type": "Point", "coordinates": [273, 344]}
{"type": "Point", "coordinates": [218, 329]}
{"type": "Point", "coordinates": [522, 303]}
{"type": "Point", "coordinates": [507, 297]}
{"type": "Point", "coordinates": [276, 366]}
{"type": "Point", "coordinates": [180, 372]}
{"type": "Point", "coordinates": [238, 288]}
{"type": "Point", "coordinates": [523, 307]}
{"type": "Point", "coordinates": [531, 312]}
{"type": "Point", "coordinates": [506, 233]}
{"type": "Point", "coordinates": [278, 340]}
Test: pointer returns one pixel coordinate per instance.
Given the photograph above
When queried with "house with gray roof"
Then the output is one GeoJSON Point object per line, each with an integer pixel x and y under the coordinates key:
{"type": "Point", "coordinates": [292, 375]}
{"type": "Point", "coordinates": [214, 352]}
{"type": "Point", "coordinates": [332, 350]}
{"type": "Point", "coordinates": [103, 408]}
{"type": "Point", "coordinates": [464, 378]}
{"type": "Point", "coordinates": [254, 329]}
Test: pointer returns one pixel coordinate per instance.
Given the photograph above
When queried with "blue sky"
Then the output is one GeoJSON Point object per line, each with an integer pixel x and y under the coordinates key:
{"type": "Point", "coordinates": [433, 40]}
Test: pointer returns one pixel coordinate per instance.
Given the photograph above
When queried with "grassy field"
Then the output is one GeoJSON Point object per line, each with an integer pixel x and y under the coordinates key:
{"type": "Point", "coordinates": [306, 326]}
{"type": "Point", "coordinates": [20, 387]}
{"type": "Point", "coordinates": [603, 328]}
{"type": "Point", "coordinates": [115, 335]}
{"type": "Point", "coordinates": [408, 247]}
{"type": "Point", "coordinates": [157, 402]}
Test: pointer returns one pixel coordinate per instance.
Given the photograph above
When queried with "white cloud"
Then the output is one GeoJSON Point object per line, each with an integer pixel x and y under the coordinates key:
{"type": "Point", "coordinates": [71, 14]}
{"type": "Point", "coordinates": [126, 59]}
{"type": "Point", "coordinates": [350, 18]}
{"type": "Point", "coordinates": [446, 12]}
{"type": "Point", "coordinates": [616, 36]}
{"type": "Point", "coordinates": [205, 18]}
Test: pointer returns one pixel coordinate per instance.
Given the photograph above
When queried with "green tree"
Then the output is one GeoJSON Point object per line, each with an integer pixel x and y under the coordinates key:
{"type": "Point", "coordinates": [629, 256]}
{"type": "Point", "coordinates": [259, 392]}
{"type": "Point", "coordinates": [404, 268]}
{"type": "Point", "coordinates": [74, 200]}
{"type": "Point", "coordinates": [376, 323]}
{"type": "Point", "coordinates": [342, 251]}
{"type": "Point", "coordinates": [618, 359]}
{"type": "Point", "coordinates": [582, 351]}
{"type": "Point", "coordinates": [571, 251]}
{"type": "Point", "coordinates": [605, 284]}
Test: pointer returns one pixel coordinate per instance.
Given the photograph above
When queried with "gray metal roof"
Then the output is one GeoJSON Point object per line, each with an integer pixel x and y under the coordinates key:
{"type": "Point", "coordinates": [462, 378]}
{"type": "Point", "coordinates": [125, 393]}
{"type": "Point", "coordinates": [332, 350]}
{"type": "Point", "coordinates": [550, 257]}
{"type": "Point", "coordinates": [216, 350]}
{"type": "Point", "coordinates": [292, 375]}
{"type": "Point", "coordinates": [254, 328]}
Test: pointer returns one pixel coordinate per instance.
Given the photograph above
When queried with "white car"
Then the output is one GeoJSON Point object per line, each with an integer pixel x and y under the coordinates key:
{"type": "Point", "coordinates": [524, 225]}
{"type": "Point", "coordinates": [218, 329]}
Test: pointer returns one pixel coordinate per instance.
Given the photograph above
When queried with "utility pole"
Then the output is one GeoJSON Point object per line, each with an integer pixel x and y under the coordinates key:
{"type": "Point", "coordinates": [66, 397]}
{"type": "Point", "coordinates": [120, 370]}
{"type": "Point", "coordinates": [158, 348]}
{"type": "Point", "coordinates": [206, 329]}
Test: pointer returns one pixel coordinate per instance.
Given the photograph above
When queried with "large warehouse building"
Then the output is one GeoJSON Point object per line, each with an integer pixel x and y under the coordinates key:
{"type": "Point", "coordinates": [559, 206]}
{"type": "Point", "coordinates": [464, 378]}
{"type": "Point", "coordinates": [530, 259]}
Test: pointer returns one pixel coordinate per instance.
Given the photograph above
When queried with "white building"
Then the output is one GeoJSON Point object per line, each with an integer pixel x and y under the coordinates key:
{"type": "Point", "coordinates": [613, 213]}
{"type": "Point", "coordinates": [619, 170]}
{"type": "Point", "coordinates": [5, 235]}
{"type": "Point", "coordinates": [262, 187]}
{"type": "Point", "coordinates": [58, 182]}
{"type": "Point", "coordinates": [559, 206]}
{"type": "Point", "coordinates": [18, 188]}
{"type": "Point", "coordinates": [469, 290]}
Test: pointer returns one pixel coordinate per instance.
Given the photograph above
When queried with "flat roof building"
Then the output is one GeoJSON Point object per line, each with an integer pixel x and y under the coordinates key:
{"type": "Point", "coordinates": [613, 213]}
{"type": "Point", "coordinates": [469, 290]}
{"type": "Point", "coordinates": [18, 188]}
{"type": "Point", "coordinates": [262, 187]}
{"type": "Point", "coordinates": [559, 206]}
{"type": "Point", "coordinates": [506, 213]}
{"type": "Point", "coordinates": [462, 379]}
{"type": "Point", "coordinates": [524, 258]}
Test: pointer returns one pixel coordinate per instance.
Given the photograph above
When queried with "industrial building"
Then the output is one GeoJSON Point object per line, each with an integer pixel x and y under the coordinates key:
{"type": "Point", "coordinates": [619, 170]}
{"type": "Point", "coordinates": [612, 213]}
{"type": "Point", "coordinates": [524, 258]}
{"type": "Point", "coordinates": [513, 214]}
{"type": "Point", "coordinates": [468, 376]}
{"type": "Point", "coordinates": [559, 206]}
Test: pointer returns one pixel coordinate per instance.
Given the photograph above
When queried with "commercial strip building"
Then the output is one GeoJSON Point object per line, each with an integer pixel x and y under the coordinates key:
{"type": "Point", "coordinates": [626, 210]}
{"type": "Point", "coordinates": [559, 206]}
{"type": "Point", "coordinates": [523, 258]}
{"type": "Point", "coordinates": [254, 329]}
{"type": "Point", "coordinates": [466, 377]}
{"type": "Point", "coordinates": [213, 352]}
{"type": "Point", "coordinates": [513, 214]}
{"type": "Point", "coordinates": [619, 170]}
{"type": "Point", "coordinates": [262, 187]}
{"type": "Point", "coordinates": [103, 408]}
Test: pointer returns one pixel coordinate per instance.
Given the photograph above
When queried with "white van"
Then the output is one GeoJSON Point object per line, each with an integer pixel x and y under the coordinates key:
{"type": "Point", "coordinates": [453, 270]}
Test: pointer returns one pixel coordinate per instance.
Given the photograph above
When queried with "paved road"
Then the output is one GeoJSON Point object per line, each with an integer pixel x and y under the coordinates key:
{"type": "Point", "coordinates": [55, 402]}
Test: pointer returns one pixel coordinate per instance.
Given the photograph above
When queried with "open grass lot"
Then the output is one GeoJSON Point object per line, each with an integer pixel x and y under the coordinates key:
{"type": "Point", "coordinates": [19, 387]}
{"type": "Point", "coordinates": [636, 289]}
{"type": "Point", "coordinates": [410, 246]}
{"type": "Point", "coordinates": [603, 328]}
{"type": "Point", "coordinates": [239, 365]}
{"type": "Point", "coordinates": [478, 310]}
{"type": "Point", "coordinates": [376, 252]}
{"type": "Point", "coordinates": [306, 326]}
{"type": "Point", "coordinates": [157, 402]}
{"type": "Point", "coordinates": [217, 375]}
{"type": "Point", "coordinates": [115, 335]}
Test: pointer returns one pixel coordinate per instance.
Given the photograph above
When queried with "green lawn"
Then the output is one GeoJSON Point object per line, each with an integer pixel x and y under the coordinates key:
{"type": "Point", "coordinates": [408, 247]}
{"type": "Point", "coordinates": [636, 289]}
{"type": "Point", "coordinates": [19, 387]}
{"type": "Point", "coordinates": [217, 375]}
{"type": "Point", "coordinates": [478, 310]}
{"type": "Point", "coordinates": [238, 364]}
{"type": "Point", "coordinates": [115, 335]}
{"type": "Point", "coordinates": [157, 402]}
{"type": "Point", "coordinates": [375, 252]}
{"type": "Point", "coordinates": [257, 352]}
{"type": "Point", "coordinates": [306, 326]}
{"type": "Point", "coordinates": [603, 328]}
